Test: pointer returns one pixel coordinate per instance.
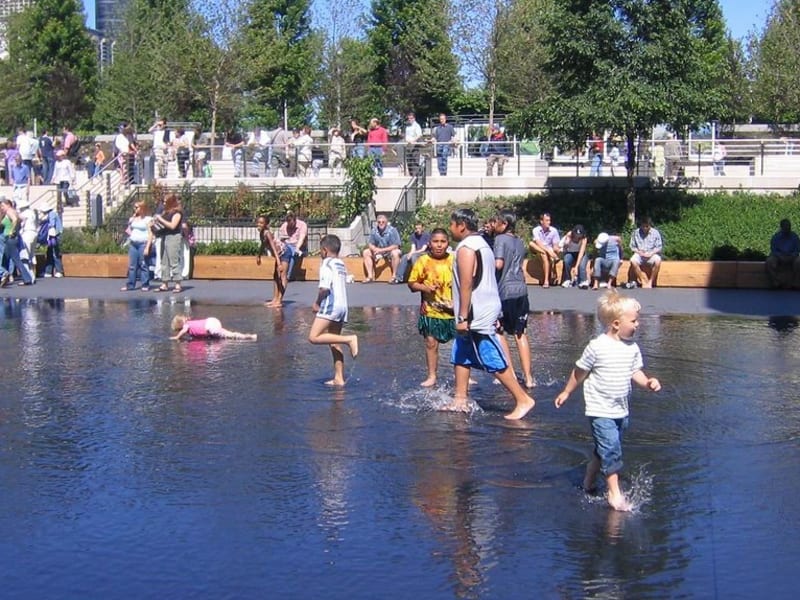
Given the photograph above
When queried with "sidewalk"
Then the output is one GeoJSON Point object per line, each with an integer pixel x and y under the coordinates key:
{"type": "Point", "coordinates": [693, 301]}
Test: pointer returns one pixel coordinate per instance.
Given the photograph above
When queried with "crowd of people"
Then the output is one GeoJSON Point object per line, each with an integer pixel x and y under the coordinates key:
{"type": "Point", "coordinates": [582, 265]}
{"type": "Point", "coordinates": [22, 232]}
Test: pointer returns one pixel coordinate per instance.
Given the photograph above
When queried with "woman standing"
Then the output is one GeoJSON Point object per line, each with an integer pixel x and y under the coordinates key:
{"type": "Point", "coordinates": [167, 227]}
{"type": "Point", "coordinates": [358, 136]}
{"type": "Point", "coordinates": [140, 241]}
{"type": "Point", "coordinates": [64, 176]}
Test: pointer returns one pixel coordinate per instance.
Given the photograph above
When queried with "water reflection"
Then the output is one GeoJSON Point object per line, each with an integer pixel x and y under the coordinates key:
{"type": "Point", "coordinates": [221, 469]}
{"type": "Point", "coordinates": [447, 493]}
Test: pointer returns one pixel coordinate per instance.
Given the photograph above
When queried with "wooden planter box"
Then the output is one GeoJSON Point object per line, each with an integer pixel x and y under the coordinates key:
{"type": "Point", "coordinates": [696, 274]}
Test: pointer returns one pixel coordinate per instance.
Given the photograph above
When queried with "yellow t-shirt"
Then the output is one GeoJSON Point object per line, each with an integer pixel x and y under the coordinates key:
{"type": "Point", "coordinates": [435, 272]}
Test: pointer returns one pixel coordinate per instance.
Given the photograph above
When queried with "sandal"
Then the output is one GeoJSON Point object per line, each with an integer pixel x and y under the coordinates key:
{"type": "Point", "coordinates": [177, 289]}
{"type": "Point", "coordinates": [162, 288]}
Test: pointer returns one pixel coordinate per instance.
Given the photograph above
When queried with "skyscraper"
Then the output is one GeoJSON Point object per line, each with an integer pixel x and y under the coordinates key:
{"type": "Point", "coordinates": [108, 16]}
{"type": "Point", "coordinates": [8, 8]}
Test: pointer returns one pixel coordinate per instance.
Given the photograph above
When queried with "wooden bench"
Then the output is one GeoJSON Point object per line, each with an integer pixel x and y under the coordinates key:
{"type": "Point", "coordinates": [688, 274]}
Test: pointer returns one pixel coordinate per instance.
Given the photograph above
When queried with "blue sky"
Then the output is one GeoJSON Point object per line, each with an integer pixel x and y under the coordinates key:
{"type": "Point", "coordinates": [741, 15]}
{"type": "Point", "coordinates": [745, 15]}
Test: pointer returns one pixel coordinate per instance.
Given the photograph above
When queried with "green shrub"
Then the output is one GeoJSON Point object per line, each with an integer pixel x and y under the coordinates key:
{"type": "Point", "coordinates": [240, 248]}
{"type": "Point", "coordinates": [719, 226]}
{"type": "Point", "coordinates": [90, 241]}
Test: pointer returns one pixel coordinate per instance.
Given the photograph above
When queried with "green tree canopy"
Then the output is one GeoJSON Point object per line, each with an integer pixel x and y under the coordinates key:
{"type": "Point", "coordinates": [282, 58]}
{"type": "Point", "coordinates": [521, 76]}
{"type": "Point", "coordinates": [628, 65]}
{"type": "Point", "coordinates": [777, 93]}
{"type": "Point", "coordinates": [153, 70]}
{"type": "Point", "coordinates": [416, 67]}
{"type": "Point", "coordinates": [348, 89]}
{"type": "Point", "coordinates": [51, 72]}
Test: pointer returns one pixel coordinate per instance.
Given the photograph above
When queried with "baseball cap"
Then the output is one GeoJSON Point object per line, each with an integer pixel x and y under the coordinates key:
{"type": "Point", "coordinates": [602, 240]}
{"type": "Point", "coordinates": [579, 231]}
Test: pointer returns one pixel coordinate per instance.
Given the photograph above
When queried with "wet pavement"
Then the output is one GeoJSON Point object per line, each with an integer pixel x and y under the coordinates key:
{"type": "Point", "coordinates": [698, 301]}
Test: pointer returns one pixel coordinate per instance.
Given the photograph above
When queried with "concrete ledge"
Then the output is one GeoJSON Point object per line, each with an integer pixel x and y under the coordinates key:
{"type": "Point", "coordinates": [674, 274]}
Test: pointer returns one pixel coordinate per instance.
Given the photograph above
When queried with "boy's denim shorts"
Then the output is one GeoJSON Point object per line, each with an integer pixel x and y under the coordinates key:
{"type": "Point", "coordinates": [607, 434]}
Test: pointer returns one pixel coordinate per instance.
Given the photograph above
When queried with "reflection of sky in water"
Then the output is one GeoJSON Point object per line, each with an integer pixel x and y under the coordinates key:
{"type": "Point", "coordinates": [136, 465]}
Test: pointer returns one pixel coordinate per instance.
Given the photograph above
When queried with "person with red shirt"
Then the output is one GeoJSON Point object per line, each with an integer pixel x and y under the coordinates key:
{"type": "Point", "coordinates": [377, 144]}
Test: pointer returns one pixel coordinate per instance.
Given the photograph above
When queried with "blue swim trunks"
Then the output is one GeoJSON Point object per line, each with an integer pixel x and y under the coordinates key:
{"type": "Point", "coordinates": [478, 351]}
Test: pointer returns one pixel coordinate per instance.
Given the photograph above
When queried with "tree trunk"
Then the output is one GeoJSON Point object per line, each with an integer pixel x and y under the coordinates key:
{"type": "Point", "coordinates": [630, 164]}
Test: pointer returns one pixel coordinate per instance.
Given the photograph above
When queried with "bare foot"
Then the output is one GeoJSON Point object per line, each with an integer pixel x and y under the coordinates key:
{"type": "Point", "coordinates": [530, 384]}
{"type": "Point", "coordinates": [429, 382]}
{"type": "Point", "coordinates": [457, 406]}
{"type": "Point", "coordinates": [353, 346]}
{"type": "Point", "coordinates": [521, 409]}
{"type": "Point", "coordinates": [252, 336]}
{"type": "Point", "coordinates": [473, 381]}
{"type": "Point", "coordinates": [647, 285]}
{"type": "Point", "coordinates": [335, 382]}
{"type": "Point", "coordinates": [619, 503]}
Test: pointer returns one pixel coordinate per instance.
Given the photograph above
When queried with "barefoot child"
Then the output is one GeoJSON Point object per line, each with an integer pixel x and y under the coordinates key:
{"type": "Point", "coordinates": [268, 243]}
{"type": "Point", "coordinates": [331, 308]}
{"type": "Point", "coordinates": [476, 305]}
{"type": "Point", "coordinates": [209, 328]}
{"type": "Point", "coordinates": [432, 276]}
{"type": "Point", "coordinates": [606, 368]}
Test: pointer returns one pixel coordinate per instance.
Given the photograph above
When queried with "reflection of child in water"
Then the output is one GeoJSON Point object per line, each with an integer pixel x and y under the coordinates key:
{"type": "Point", "coordinates": [331, 308]}
{"type": "Point", "coordinates": [209, 328]}
{"type": "Point", "coordinates": [606, 368]}
{"type": "Point", "coordinates": [432, 276]}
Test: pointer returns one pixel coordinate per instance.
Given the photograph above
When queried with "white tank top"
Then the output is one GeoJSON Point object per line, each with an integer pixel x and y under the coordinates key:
{"type": "Point", "coordinates": [486, 306]}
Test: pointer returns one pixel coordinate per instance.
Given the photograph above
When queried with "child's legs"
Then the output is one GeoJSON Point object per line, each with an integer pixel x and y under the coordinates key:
{"type": "Point", "coordinates": [524, 348]}
{"type": "Point", "coordinates": [328, 332]}
{"type": "Point", "coordinates": [431, 357]}
{"type": "Point", "coordinates": [607, 435]}
{"type": "Point", "coordinates": [461, 373]}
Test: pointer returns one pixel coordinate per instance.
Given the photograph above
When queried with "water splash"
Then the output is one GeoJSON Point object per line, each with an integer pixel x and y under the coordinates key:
{"type": "Point", "coordinates": [423, 400]}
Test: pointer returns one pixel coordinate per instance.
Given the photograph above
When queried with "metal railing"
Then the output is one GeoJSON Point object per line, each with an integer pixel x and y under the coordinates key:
{"type": "Point", "coordinates": [228, 214]}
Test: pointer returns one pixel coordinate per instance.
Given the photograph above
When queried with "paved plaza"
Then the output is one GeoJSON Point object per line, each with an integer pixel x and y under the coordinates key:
{"type": "Point", "coordinates": [754, 303]}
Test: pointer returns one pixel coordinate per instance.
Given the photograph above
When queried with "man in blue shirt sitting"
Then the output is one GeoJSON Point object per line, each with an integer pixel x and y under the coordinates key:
{"type": "Point", "coordinates": [783, 262]}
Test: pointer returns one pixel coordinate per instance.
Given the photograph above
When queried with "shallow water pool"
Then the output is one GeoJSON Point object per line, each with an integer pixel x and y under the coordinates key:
{"type": "Point", "coordinates": [133, 466]}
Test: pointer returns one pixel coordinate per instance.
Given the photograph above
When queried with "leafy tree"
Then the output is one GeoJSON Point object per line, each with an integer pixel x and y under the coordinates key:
{"type": "Point", "coordinates": [777, 94]}
{"type": "Point", "coordinates": [628, 65]}
{"type": "Point", "coordinates": [735, 80]}
{"type": "Point", "coordinates": [348, 89]}
{"type": "Point", "coordinates": [501, 51]}
{"type": "Point", "coordinates": [477, 42]}
{"type": "Point", "coordinates": [152, 71]}
{"type": "Point", "coordinates": [416, 67]}
{"type": "Point", "coordinates": [51, 72]}
{"type": "Point", "coordinates": [217, 64]}
{"type": "Point", "coordinates": [521, 78]}
{"type": "Point", "coordinates": [281, 55]}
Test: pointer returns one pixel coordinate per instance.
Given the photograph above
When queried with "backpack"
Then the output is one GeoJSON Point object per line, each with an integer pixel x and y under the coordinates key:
{"type": "Point", "coordinates": [41, 235]}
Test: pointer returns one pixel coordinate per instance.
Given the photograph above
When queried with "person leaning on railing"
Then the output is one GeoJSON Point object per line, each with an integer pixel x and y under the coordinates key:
{"type": "Point", "coordinates": [496, 150]}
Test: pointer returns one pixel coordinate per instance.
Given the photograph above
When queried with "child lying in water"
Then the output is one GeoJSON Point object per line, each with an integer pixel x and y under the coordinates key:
{"type": "Point", "coordinates": [205, 329]}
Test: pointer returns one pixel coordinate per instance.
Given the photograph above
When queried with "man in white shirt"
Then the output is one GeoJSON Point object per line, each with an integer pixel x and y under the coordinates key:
{"type": "Point", "coordinates": [161, 146]}
{"type": "Point", "coordinates": [413, 137]}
